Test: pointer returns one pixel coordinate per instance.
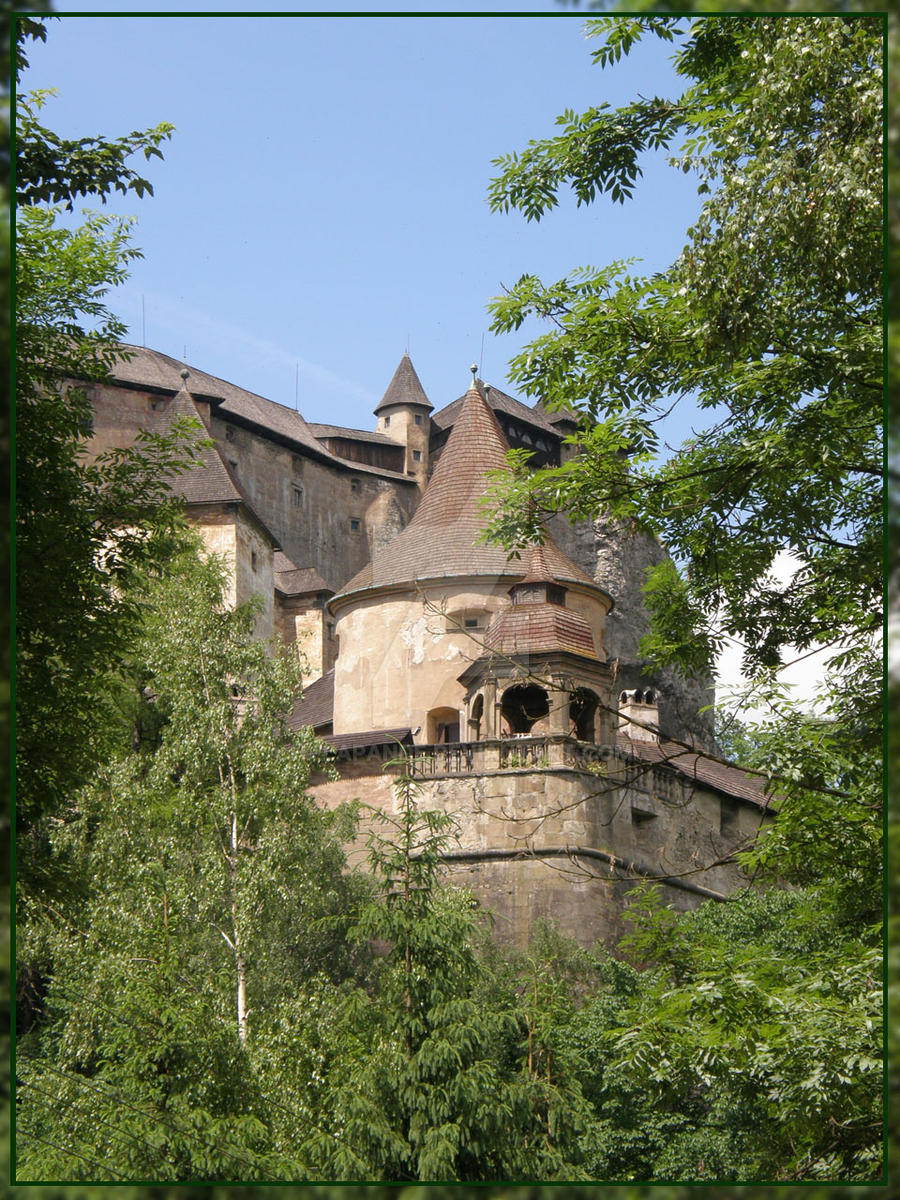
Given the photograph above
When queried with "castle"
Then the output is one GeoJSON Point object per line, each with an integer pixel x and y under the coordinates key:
{"type": "Point", "coordinates": [512, 686]}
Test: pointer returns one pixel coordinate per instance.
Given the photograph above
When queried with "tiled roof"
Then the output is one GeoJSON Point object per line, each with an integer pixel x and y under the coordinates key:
{"type": "Point", "coordinates": [372, 737]}
{"type": "Point", "coordinates": [700, 769]}
{"type": "Point", "coordinates": [441, 539]}
{"type": "Point", "coordinates": [210, 480]}
{"type": "Point", "coordinates": [404, 388]}
{"type": "Point", "coordinates": [301, 582]}
{"type": "Point", "coordinates": [151, 368]}
{"type": "Point", "coordinates": [292, 580]}
{"type": "Point", "coordinates": [317, 706]}
{"type": "Point", "coordinates": [499, 402]}
{"type": "Point", "coordinates": [557, 417]}
{"type": "Point", "coordinates": [353, 435]}
{"type": "Point", "coordinates": [539, 628]}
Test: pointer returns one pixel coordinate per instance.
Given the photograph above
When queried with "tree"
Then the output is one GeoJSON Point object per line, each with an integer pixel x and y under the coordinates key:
{"type": "Point", "coordinates": [446, 1073]}
{"type": "Point", "coordinates": [741, 1041]}
{"type": "Point", "coordinates": [770, 318]}
{"type": "Point", "coordinates": [82, 527]}
{"type": "Point", "coordinates": [215, 893]}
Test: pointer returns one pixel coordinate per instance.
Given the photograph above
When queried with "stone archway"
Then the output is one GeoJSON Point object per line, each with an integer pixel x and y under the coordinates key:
{"type": "Point", "coordinates": [442, 726]}
{"type": "Point", "coordinates": [523, 707]}
{"type": "Point", "coordinates": [583, 705]}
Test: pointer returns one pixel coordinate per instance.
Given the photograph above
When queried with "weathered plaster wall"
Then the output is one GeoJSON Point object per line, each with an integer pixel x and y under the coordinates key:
{"type": "Point", "coordinates": [400, 655]}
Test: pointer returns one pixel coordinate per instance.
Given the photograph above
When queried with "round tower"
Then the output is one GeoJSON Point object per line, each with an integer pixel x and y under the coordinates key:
{"type": "Point", "coordinates": [410, 623]}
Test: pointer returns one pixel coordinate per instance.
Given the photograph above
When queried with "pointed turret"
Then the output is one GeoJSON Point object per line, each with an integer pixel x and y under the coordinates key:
{"type": "Point", "coordinates": [403, 415]}
{"type": "Point", "coordinates": [404, 388]}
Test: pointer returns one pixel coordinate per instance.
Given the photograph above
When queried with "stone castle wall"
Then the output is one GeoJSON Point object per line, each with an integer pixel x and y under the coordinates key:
{"type": "Point", "coordinates": [555, 829]}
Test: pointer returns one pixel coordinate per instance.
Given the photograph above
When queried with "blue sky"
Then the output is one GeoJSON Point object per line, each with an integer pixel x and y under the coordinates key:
{"type": "Point", "coordinates": [323, 200]}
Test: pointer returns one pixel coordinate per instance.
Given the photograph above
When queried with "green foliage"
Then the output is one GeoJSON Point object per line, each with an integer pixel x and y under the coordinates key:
{"type": "Point", "coordinates": [87, 526]}
{"type": "Point", "coordinates": [750, 1051]}
{"type": "Point", "coordinates": [770, 319]}
{"type": "Point", "coordinates": [54, 170]}
{"type": "Point", "coordinates": [451, 1074]}
{"type": "Point", "coordinates": [214, 894]}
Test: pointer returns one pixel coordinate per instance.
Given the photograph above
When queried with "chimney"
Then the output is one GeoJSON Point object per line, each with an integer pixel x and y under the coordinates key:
{"type": "Point", "coordinates": [639, 714]}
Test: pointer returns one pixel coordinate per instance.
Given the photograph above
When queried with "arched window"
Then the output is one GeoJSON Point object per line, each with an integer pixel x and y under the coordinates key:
{"type": "Point", "coordinates": [582, 713]}
{"type": "Point", "coordinates": [523, 706]}
{"type": "Point", "coordinates": [442, 726]}
{"type": "Point", "coordinates": [475, 717]}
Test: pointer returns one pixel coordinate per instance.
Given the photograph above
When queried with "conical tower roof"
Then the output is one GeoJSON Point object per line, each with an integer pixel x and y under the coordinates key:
{"type": "Point", "coordinates": [441, 540]}
{"type": "Point", "coordinates": [404, 388]}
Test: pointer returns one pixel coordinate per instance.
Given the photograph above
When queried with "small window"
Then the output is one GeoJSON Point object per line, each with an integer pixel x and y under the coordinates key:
{"type": "Point", "coordinates": [354, 524]}
{"type": "Point", "coordinates": [297, 462]}
{"type": "Point", "coordinates": [330, 628]}
{"type": "Point", "coordinates": [471, 622]}
{"type": "Point", "coordinates": [417, 455]}
{"type": "Point", "coordinates": [229, 433]}
{"type": "Point", "coordinates": [298, 496]}
{"type": "Point", "coordinates": [232, 464]}
{"type": "Point", "coordinates": [640, 816]}
{"type": "Point", "coordinates": [387, 421]}
{"type": "Point", "coordinates": [354, 486]}
{"type": "Point", "coordinates": [418, 418]}
{"type": "Point", "coordinates": [252, 560]}
{"type": "Point", "coordinates": [728, 815]}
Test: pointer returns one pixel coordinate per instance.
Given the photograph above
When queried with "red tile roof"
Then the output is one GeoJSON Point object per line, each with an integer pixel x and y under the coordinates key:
{"type": "Point", "coordinates": [441, 540]}
{"type": "Point", "coordinates": [539, 628]}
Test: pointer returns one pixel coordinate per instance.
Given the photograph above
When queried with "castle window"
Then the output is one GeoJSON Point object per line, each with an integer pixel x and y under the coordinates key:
{"type": "Point", "coordinates": [475, 719]}
{"type": "Point", "coordinates": [229, 433]}
{"type": "Point", "coordinates": [582, 712]}
{"type": "Point", "coordinates": [354, 486]}
{"type": "Point", "coordinates": [252, 560]}
{"type": "Point", "coordinates": [418, 418]}
{"type": "Point", "coordinates": [298, 496]}
{"type": "Point", "coordinates": [354, 524]}
{"type": "Point", "coordinates": [640, 816]}
{"type": "Point", "coordinates": [417, 455]}
{"type": "Point", "coordinates": [728, 814]}
{"type": "Point", "coordinates": [297, 462]}
{"type": "Point", "coordinates": [387, 422]}
{"type": "Point", "coordinates": [471, 622]}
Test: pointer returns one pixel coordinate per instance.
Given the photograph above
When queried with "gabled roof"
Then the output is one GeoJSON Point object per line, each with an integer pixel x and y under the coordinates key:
{"type": "Point", "coordinates": [353, 435]}
{"type": "Point", "coordinates": [499, 402]}
{"type": "Point", "coordinates": [210, 480]}
{"type": "Point", "coordinates": [441, 540]}
{"type": "Point", "coordinates": [404, 388]}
